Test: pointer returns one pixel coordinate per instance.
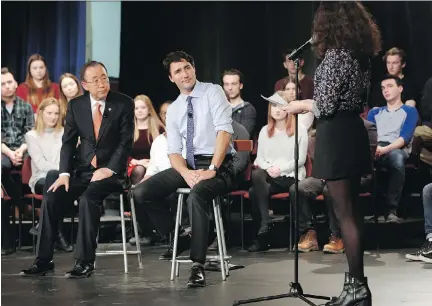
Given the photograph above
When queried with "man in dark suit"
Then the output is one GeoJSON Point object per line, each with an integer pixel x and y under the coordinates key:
{"type": "Point", "coordinates": [103, 121]}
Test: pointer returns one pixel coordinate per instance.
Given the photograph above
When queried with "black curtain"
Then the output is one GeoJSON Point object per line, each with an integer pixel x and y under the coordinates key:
{"type": "Point", "coordinates": [56, 30]}
{"type": "Point", "coordinates": [249, 36]}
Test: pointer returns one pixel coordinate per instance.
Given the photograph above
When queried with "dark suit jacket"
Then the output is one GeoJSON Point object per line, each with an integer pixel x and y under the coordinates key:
{"type": "Point", "coordinates": [115, 139]}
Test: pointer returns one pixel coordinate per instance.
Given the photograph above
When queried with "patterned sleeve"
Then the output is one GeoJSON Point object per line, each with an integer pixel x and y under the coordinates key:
{"type": "Point", "coordinates": [333, 75]}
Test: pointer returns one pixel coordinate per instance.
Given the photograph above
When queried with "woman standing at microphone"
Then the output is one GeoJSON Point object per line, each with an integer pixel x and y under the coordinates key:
{"type": "Point", "coordinates": [345, 37]}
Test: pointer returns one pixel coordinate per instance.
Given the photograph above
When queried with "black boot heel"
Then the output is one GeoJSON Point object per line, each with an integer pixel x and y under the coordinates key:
{"type": "Point", "coordinates": [367, 302]}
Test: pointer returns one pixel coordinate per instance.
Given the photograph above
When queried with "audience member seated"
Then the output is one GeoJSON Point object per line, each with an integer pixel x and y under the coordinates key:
{"type": "Point", "coordinates": [242, 112]}
{"type": "Point", "coordinates": [309, 189]}
{"type": "Point", "coordinates": [163, 110]}
{"type": "Point", "coordinates": [395, 127]}
{"type": "Point", "coordinates": [147, 128]}
{"type": "Point", "coordinates": [16, 120]}
{"type": "Point", "coordinates": [275, 166]}
{"type": "Point", "coordinates": [37, 85]}
{"type": "Point", "coordinates": [423, 133]}
{"type": "Point", "coordinates": [44, 143]}
{"type": "Point", "coordinates": [306, 82]}
{"type": "Point", "coordinates": [425, 251]}
{"type": "Point", "coordinates": [289, 94]}
{"type": "Point", "coordinates": [159, 161]}
{"type": "Point", "coordinates": [395, 60]}
{"type": "Point", "coordinates": [70, 88]}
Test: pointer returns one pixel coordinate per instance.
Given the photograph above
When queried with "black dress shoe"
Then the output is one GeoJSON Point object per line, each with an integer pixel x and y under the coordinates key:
{"type": "Point", "coordinates": [8, 251]}
{"type": "Point", "coordinates": [197, 277]}
{"type": "Point", "coordinates": [355, 292]}
{"type": "Point", "coordinates": [81, 270]}
{"type": "Point", "coordinates": [61, 244]}
{"type": "Point", "coordinates": [39, 268]}
{"type": "Point", "coordinates": [183, 244]}
{"type": "Point", "coordinates": [261, 243]}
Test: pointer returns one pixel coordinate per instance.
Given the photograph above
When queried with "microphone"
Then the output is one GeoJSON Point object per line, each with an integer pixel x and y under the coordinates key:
{"type": "Point", "coordinates": [297, 52]}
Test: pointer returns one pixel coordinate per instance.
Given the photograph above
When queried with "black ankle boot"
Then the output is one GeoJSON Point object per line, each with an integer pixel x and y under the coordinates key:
{"type": "Point", "coordinates": [354, 293]}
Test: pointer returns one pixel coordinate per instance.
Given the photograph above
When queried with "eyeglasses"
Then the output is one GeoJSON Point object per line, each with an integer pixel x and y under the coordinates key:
{"type": "Point", "coordinates": [102, 80]}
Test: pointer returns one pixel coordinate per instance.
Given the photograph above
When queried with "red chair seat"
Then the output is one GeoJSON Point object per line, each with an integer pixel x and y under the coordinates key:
{"type": "Point", "coordinates": [239, 193]}
{"type": "Point", "coordinates": [366, 194]}
{"type": "Point", "coordinates": [280, 196]}
{"type": "Point", "coordinates": [34, 196]}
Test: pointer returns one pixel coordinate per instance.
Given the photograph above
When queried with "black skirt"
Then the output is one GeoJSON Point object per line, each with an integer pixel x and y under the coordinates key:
{"type": "Point", "coordinates": [341, 148]}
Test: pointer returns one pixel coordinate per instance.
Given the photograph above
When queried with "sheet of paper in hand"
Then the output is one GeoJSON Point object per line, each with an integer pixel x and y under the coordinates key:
{"type": "Point", "coordinates": [276, 99]}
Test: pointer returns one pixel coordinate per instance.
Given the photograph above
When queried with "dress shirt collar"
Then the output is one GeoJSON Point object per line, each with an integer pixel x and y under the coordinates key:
{"type": "Point", "coordinates": [197, 92]}
{"type": "Point", "coordinates": [94, 102]}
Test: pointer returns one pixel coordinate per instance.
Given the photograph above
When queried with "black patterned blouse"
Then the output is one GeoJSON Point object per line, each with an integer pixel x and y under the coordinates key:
{"type": "Point", "coordinates": [339, 84]}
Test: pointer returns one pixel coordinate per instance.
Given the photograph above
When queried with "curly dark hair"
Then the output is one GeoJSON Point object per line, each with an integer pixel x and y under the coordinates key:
{"type": "Point", "coordinates": [345, 25]}
{"type": "Point", "coordinates": [175, 57]}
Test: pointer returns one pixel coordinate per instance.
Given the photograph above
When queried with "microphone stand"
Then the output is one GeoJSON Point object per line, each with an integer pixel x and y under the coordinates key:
{"type": "Point", "coordinates": [296, 290]}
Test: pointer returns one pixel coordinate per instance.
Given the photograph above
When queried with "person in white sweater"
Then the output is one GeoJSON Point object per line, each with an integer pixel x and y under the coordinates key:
{"type": "Point", "coordinates": [44, 144]}
{"type": "Point", "coordinates": [275, 167]}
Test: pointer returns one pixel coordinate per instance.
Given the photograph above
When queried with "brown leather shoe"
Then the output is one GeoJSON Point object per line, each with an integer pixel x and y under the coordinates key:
{"type": "Point", "coordinates": [335, 246]}
{"type": "Point", "coordinates": [308, 242]}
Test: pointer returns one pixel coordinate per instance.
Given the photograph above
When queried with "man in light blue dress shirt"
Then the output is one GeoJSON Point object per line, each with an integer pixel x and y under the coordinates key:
{"type": "Point", "coordinates": [200, 150]}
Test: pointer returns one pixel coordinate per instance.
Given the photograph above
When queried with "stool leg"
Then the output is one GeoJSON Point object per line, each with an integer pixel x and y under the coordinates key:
{"type": "Point", "coordinates": [242, 222]}
{"type": "Point", "coordinates": [135, 227]}
{"type": "Point", "coordinates": [97, 243]}
{"type": "Point", "coordinates": [218, 233]}
{"type": "Point", "coordinates": [124, 234]}
{"type": "Point", "coordinates": [33, 225]}
{"type": "Point", "coordinates": [176, 233]}
{"type": "Point", "coordinates": [224, 248]}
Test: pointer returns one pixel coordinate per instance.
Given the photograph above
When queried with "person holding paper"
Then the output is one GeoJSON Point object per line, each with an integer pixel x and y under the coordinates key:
{"type": "Point", "coordinates": [342, 145]}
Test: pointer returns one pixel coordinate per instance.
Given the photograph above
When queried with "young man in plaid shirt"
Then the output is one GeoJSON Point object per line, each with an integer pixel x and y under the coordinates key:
{"type": "Point", "coordinates": [16, 120]}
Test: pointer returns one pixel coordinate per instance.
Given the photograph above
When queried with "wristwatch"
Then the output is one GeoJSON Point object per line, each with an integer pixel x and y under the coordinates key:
{"type": "Point", "coordinates": [213, 168]}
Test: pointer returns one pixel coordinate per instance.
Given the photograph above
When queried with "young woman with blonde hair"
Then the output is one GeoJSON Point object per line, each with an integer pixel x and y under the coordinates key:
{"type": "Point", "coordinates": [44, 145]}
{"type": "Point", "coordinates": [147, 127]}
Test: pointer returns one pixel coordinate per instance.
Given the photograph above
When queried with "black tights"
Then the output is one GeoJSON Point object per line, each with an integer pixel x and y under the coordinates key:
{"type": "Point", "coordinates": [345, 193]}
{"type": "Point", "coordinates": [137, 174]}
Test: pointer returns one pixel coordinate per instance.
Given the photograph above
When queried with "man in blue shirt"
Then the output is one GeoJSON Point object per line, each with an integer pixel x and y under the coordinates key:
{"type": "Point", "coordinates": [395, 124]}
{"type": "Point", "coordinates": [199, 134]}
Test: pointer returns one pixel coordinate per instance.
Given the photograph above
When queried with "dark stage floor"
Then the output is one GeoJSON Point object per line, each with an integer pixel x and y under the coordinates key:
{"type": "Point", "coordinates": [393, 280]}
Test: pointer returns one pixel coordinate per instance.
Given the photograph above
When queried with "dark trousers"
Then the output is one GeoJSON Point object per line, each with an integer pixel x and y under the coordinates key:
{"type": "Point", "coordinates": [394, 163]}
{"type": "Point", "coordinates": [309, 189]}
{"type": "Point", "coordinates": [39, 189]}
{"type": "Point", "coordinates": [91, 195]}
{"type": "Point", "coordinates": [149, 194]}
{"type": "Point", "coordinates": [263, 186]}
{"type": "Point", "coordinates": [13, 191]}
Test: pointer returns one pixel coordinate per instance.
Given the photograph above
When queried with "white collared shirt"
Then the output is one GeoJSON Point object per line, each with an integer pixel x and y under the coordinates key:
{"type": "Point", "coordinates": [94, 103]}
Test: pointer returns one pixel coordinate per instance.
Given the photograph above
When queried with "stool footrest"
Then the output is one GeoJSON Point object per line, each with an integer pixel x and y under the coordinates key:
{"type": "Point", "coordinates": [208, 258]}
{"type": "Point", "coordinates": [114, 252]}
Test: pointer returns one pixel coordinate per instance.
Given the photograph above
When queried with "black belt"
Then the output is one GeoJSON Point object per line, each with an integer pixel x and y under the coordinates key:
{"type": "Point", "coordinates": [210, 157]}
